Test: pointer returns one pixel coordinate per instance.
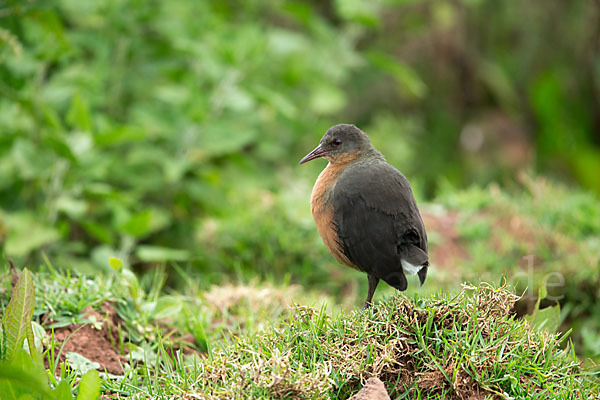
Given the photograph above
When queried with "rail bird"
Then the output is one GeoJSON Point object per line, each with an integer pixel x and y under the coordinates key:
{"type": "Point", "coordinates": [365, 211]}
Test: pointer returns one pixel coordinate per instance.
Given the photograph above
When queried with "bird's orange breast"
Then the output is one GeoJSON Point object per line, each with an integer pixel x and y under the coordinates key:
{"type": "Point", "coordinates": [321, 206]}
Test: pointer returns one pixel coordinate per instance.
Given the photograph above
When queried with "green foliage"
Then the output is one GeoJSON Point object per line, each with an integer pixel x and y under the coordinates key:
{"type": "Point", "coordinates": [120, 145]}
{"type": "Point", "coordinates": [137, 134]}
{"type": "Point", "coordinates": [542, 237]}
{"type": "Point", "coordinates": [128, 128]}
{"type": "Point", "coordinates": [89, 386]}
{"type": "Point", "coordinates": [16, 322]}
{"type": "Point", "coordinates": [23, 378]}
{"type": "Point", "coordinates": [470, 338]}
{"type": "Point", "coordinates": [23, 374]}
{"type": "Point", "coordinates": [548, 318]}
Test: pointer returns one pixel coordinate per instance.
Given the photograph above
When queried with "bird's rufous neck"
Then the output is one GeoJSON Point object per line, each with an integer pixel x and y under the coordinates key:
{"type": "Point", "coordinates": [342, 160]}
{"type": "Point", "coordinates": [322, 210]}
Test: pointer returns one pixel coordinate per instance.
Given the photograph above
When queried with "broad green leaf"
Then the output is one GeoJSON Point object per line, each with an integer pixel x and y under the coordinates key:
{"type": "Point", "coordinates": [80, 363]}
{"type": "Point", "coordinates": [166, 307]}
{"type": "Point", "coordinates": [22, 375]}
{"type": "Point", "coordinates": [63, 391]}
{"type": "Point", "coordinates": [547, 319]}
{"type": "Point", "coordinates": [138, 224]}
{"type": "Point", "coordinates": [146, 222]}
{"type": "Point", "coordinates": [99, 231]}
{"type": "Point", "coordinates": [89, 386]}
{"type": "Point", "coordinates": [17, 317]}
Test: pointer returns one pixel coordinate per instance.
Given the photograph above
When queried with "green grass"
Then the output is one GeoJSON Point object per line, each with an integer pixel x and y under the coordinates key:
{"type": "Point", "coordinates": [422, 348]}
{"type": "Point", "coordinates": [257, 342]}
{"type": "Point", "coordinates": [185, 332]}
{"type": "Point", "coordinates": [540, 233]}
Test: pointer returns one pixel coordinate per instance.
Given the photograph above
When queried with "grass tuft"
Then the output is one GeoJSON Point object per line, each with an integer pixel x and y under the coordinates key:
{"type": "Point", "coordinates": [462, 346]}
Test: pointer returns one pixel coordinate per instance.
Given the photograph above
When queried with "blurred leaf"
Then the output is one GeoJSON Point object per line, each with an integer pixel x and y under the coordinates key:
{"type": "Point", "coordinates": [498, 80]}
{"type": "Point", "coordinates": [119, 136]}
{"type": "Point", "coordinates": [115, 263]}
{"type": "Point", "coordinates": [279, 102]}
{"type": "Point", "coordinates": [80, 363]}
{"type": "Point", "coordinates": [101, 254]}
{"type": "Point", "coordinates": [546, 319]}
{"type": "Point", "coordinates": [327, 100]}
{"type": "Point", "coordinates": [408, 81]}
{"type": "Point", "coordinates": [30, 161]}
{"type": "Point", "coordinates": [145, 222]}
{"type": "Point", "coordinates": [11, 41]}
{"type": "Point", "coordinates": [89, 386]}
{"type": "Point", "coordinates": [21, 376]}
{"type": "Point", "coordinates": [74, 208]}
{"type": "Point", "coordinates": [365, 12]}
{"type": "Point", "coordinates": [63, 391]}
{"type": "Point", "coordinates": [98, 231]}
{"type": "Point", "coordinates": [79, 114]}
{"type": "Point", "coordinates": [59, 146]}
{"type": "Point", "coordinates": [166, 307]}
{"type": "Point", "coordinates": [137, 225]}
{"type": "Point", "coordinates": [26, 234]}
{"type": "Point", "coordinates": [157, 254]}
{"type": "Point", "coordinates": [225, 137]}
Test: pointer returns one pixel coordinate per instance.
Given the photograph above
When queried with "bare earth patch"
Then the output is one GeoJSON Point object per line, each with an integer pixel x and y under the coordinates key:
{"type": "Point", "coordinates": [95, 341]}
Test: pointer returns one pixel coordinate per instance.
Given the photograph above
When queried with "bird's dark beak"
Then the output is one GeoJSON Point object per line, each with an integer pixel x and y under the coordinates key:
{"type": "Point", "coordinates": [319, 151]}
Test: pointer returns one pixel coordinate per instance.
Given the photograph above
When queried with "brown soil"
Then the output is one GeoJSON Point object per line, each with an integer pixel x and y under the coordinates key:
{"type": "Point", "coordinates": [95, 344]}
{"type": "Point", "coordinates": [450, 251]}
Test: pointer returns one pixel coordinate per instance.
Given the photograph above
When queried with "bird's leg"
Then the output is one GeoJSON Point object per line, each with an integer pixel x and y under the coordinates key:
{"type": "Point", "coordinates": [373, 281]}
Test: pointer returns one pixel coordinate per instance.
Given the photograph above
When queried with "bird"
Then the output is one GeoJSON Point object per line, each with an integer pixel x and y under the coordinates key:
{"type": "Point", "coordinates": [365, 211]}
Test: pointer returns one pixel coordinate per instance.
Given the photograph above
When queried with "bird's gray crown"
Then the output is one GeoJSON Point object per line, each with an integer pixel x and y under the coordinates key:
{"type": "Point", "coordinates": [345, 138]}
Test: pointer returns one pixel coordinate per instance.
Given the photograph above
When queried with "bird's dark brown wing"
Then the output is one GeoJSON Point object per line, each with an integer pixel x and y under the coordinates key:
{"type": "Point", "coordinates": [378, 223]}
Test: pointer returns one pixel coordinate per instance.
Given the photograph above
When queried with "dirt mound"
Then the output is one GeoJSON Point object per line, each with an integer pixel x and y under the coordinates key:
{"type": "Point", "coordinates": [396, 364]}
{"type": "Point", "coordinates": [400, 343]}
{"type": "Point", "coordinates": [97, 341]}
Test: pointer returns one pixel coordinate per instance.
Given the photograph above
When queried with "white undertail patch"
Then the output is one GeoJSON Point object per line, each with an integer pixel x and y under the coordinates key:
{"type": "Point", "coordinates": [409, 268]}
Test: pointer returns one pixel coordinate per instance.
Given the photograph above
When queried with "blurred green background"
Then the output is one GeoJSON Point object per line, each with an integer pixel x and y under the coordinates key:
{"type": "Point", "coordinates": [169, 132]}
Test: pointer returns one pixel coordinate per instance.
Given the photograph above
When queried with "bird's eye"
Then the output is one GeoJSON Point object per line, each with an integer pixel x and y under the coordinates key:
{"type": "Point", "coordinates": [337, 142]}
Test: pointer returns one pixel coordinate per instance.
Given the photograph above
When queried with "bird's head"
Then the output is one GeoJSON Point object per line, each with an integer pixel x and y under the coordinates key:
{"type": "Point", "coordinates": [341, 144]}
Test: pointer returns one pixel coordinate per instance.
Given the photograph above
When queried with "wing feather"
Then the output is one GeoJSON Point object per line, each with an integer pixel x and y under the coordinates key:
{"type": "Point", "coordinates": [378, 222]}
